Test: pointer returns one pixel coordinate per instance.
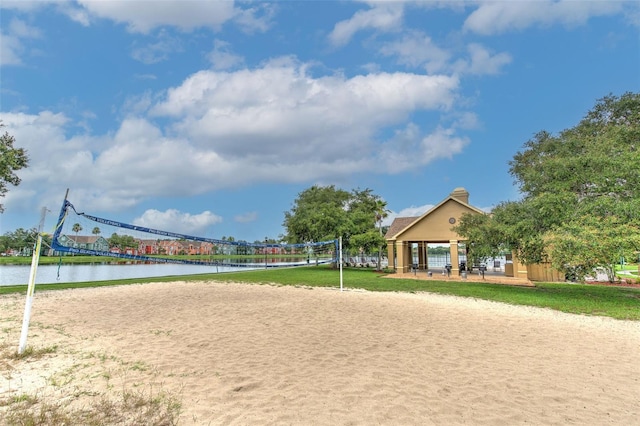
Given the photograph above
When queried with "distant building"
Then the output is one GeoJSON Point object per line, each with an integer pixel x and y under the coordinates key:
{"type": "Point", "coordinates": [94, 242]}
{"type": "Point", "coordinates": [183, 247]}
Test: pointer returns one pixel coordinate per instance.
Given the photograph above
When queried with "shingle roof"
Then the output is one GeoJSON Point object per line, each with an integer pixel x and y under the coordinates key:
{"type": "Point", "coordinates": [398, 224]}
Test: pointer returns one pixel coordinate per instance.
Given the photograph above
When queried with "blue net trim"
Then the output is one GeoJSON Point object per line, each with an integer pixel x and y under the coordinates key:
{"type": "Point", "coordinates": [55, 245]}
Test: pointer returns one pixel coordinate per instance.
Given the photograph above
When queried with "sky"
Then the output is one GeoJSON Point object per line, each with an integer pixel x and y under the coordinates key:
{"type": "Point", "coordinates": [210, 117]}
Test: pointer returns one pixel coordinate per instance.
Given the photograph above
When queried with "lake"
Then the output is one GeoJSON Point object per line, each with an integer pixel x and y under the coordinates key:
{"type": "Point", "coordinates": [47, 274]}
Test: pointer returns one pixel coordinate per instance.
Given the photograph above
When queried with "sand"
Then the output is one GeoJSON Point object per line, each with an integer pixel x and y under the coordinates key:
{"type": "Point", "coordinates": [239, 354]}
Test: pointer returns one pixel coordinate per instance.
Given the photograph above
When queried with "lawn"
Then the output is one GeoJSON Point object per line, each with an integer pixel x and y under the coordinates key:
{"type": "Point", "coordinates": [586, 299]}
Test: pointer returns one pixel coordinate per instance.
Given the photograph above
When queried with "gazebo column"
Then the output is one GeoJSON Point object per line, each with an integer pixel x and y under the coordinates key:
{"type": "Point", "coordinates": [403, 251]}
{"type": "Point", "coordinates": [391, 255]}
{"type": "Point", "coordinates": [453, 249]}
{"type": "Point", "coordinates": [426, 255]}
{"type": "Point", "coordinates": [422, 256]}
{"type": "Point", "coordinates": [401, 256]}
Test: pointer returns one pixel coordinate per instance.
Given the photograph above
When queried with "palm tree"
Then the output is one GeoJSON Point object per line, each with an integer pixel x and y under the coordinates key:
{"type": "Point", "coordinates": [76, 228]}
{"type": "Point", "coordinates": [95, 231]}
{"type": "Point", "coordinates": [381, 212]}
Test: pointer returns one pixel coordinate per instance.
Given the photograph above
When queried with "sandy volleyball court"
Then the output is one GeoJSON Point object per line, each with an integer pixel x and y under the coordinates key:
{"type": "Point", "coordinates": [236, 354]}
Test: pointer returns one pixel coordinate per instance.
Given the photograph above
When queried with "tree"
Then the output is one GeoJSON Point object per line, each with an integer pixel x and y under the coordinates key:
{"type": "Point", "coordinates": [318, 214]}
{"type": "Point", "coordinates": [381, 213]}
{"type": "Point", "coordinates": [484, 238]}
{"type": "Point", "coordinates": [122, 242]}
{"type": "Point", "coordinates": [591, 242]}
{"type": "Point", "coordinates": [323, 213]}
{"type": "Point", "coordinates": [11, 160]}
{"type": "Point", "coordinates": [19, 240]}
{"type": "Point", "coordinates": [579, 187]}
{"type": "Point", "coordinates": [76, 228]}
{"type": "Point", "coordinates": [96, 231]}
{"type": "Point", "coordinates": [367, 242]}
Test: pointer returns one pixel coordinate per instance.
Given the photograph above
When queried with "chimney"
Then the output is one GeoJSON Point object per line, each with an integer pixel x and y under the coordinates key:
{"type": "Point", "coordinates": [461, 194]}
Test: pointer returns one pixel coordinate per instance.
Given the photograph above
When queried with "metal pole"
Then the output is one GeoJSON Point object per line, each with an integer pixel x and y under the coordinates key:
{"type": "Point", "coordinates": [31, 287]}
{"type": "Point", "coordinates": [340, 260]}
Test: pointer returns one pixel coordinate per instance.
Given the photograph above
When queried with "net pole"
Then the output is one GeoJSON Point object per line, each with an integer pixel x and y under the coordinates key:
{"type": "Point", "coordinates": [340, 259]}
{"type": "Point", "coordinates": [31, 287]}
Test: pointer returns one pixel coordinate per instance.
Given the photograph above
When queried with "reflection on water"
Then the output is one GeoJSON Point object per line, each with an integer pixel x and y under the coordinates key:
{"type": "Point", "coordinates": [46, 274]}
{"type": "Point", "coordinates": [111, 270]}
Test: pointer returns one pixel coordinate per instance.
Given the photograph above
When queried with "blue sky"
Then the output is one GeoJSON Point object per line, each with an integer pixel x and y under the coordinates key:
{"type": "Point", "coordinates": [209, 117]}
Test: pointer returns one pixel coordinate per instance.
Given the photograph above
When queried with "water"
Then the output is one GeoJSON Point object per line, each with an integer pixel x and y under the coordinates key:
{"type": "Point", "coordinates": [47, 274]}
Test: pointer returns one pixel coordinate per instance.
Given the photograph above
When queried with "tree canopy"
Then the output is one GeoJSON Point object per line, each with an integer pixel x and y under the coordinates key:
{"type": "Point", "coordinates": [580, 194]}
{"type": "Point", "coordinates": [11, 160]}
{"type": "Point", "coordinates": [18, 240]}
{"type": "Point", "coordinates": [323, 213]}
{"type": "Point", "coordinates": [122, 242]}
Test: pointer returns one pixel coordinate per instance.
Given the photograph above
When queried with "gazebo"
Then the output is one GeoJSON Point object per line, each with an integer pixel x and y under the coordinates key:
{"type": "Point", "coordinates": [433, 227]}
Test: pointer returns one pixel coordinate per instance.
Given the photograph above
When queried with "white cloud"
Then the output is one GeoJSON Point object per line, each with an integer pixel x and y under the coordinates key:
{"type": "Point", "coordinates": [256, 18]}
{"type": "Point", "coordinates": [144, 16]}
{"type": "Point", "coordinates": [137, 105]}
{"type": "Point", "coordinates": [158, 51]}
{"type": "Point", "coordinates": [222, 58]}
{"type": "Point", "coordinates": [281, 91]}
{"type": "Point", "coordinates": [21, 29]}
{"type": "Point", "coordinates": [75, 13]}
{"type": "Point", "coordinates": [10, 50]}
{"type": "Point", "coordinates": [52, 164]}
{"type": "Point", "coordinates": [481, 61]}
{"type": "Point", "coordinates": [279, 115]}
{"type": "Point", "coordinates": [416, 49]}
{"type": "Point", "coordinates": [409, 147]}
{"type": "Point", "coordinates": [632, 14]}
{"type": "Point", "coordinates": [415, 210]}
{"type": "Point", "coordinates": [412, 211]}
{"type": "Point", "coordinates": [12, 47]}
{"type": "Point", "coordinates": [177, 221]}
{"type": "Point", "coordinates": [246, 218]}
{"type": "Point", "coordinates": [230, 129]}
{"type": "Point", "coordinates": [462, 120]}
{"type": "Point", "coordinates": [383, 16]}
{"type": "Point", "coordinates": [106, 173]}
{"type": "Point", "coordinates": [496, 17]}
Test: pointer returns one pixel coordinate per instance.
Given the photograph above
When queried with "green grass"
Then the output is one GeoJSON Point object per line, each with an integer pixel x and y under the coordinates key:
{"type": "Point", "coordinates": [610, 301]}
{"type": "Point", "coordinates": [140, 406]}
{"type": "Point", "coordinates": [132, 407]}
{"type": "Point", "coordinates": [31, 352]}
{"type": "Point", "coordinates": [629, 270]}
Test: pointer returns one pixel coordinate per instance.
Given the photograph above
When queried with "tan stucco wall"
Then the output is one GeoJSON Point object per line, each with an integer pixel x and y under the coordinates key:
{"type": "Point", "coordinates": [435, 227]}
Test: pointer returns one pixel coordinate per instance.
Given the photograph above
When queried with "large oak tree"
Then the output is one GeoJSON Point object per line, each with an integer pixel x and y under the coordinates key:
{"type": "Point", "coordinates": [580, 195]}
{"type": "Point", "coordinates": [323, 213]}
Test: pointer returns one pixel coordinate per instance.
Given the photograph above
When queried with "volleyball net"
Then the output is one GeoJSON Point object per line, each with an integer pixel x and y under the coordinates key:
{"type": "Point", "coordinates": [79, 233]}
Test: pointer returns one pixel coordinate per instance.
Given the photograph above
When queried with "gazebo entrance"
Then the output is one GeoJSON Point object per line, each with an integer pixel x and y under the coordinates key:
{"type": "Point", "coordinates": [408, 238]}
